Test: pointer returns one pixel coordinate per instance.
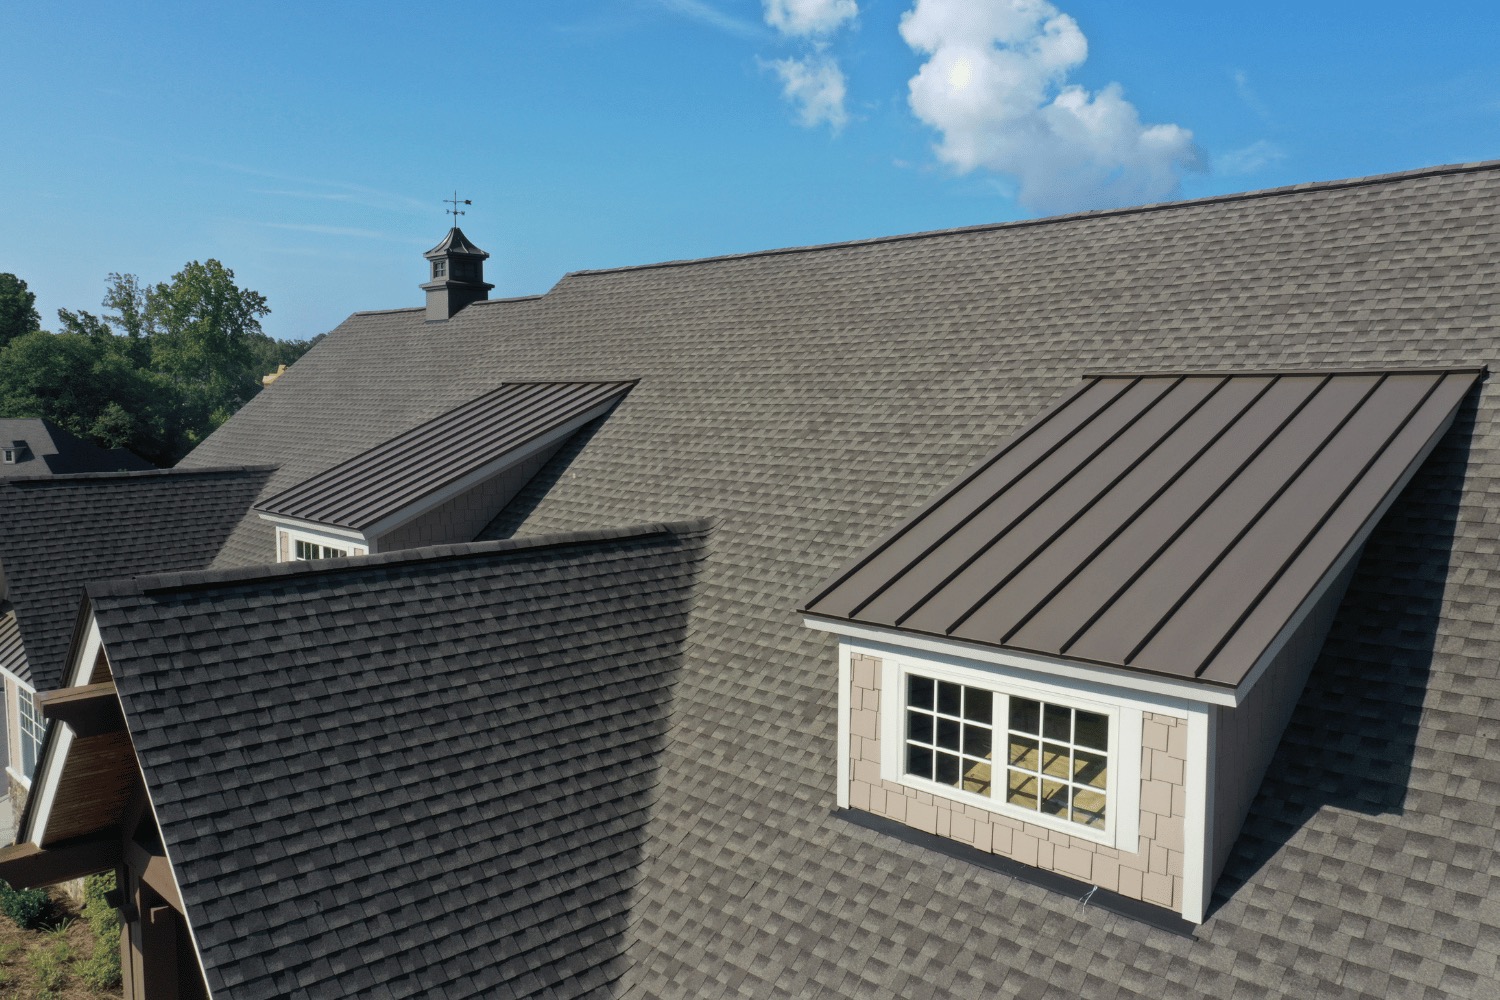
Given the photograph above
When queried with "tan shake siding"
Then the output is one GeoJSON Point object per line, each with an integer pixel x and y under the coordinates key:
{"type": "Point", "coordinates": [1153, 874]}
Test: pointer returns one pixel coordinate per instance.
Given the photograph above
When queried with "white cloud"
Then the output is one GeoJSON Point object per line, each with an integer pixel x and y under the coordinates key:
{"type": "Point", "coordinates": [1251, 159]}
{"type": "Point", "coordinates": [815, 84]}
{"type": "Point", "coordinates": [995, 87]}
{"type": "Point", "coordinates": [706, 13]}
{"type": "Point", "coordinates": [809, 17]}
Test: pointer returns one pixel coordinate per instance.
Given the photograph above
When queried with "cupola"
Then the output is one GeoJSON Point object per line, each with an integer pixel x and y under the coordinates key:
{"type": "Point", "coordinates": [456, 277]}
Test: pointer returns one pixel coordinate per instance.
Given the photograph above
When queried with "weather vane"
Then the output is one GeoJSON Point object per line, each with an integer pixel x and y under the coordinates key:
{"type": "Point", "coordinates": [454, 211]}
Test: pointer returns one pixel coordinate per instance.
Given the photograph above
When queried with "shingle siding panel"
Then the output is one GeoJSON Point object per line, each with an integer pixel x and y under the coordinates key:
{"type": "Point", "coordinates": [809, 401]}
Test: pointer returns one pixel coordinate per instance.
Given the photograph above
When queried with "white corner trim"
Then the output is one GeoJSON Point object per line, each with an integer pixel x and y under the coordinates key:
{"type": "Point", "coordinates": [172, 867]}
{"type": "Point", "coordinates": [845, 702]}
{"type": "Point", "coordinates": [51, 770]}
{"type": "Point", "coordinates": [1045, 669]}
{"type": "Point", "coordinates": [1197, 824]}
{"type": "Point", "coordinates": [82, 665]}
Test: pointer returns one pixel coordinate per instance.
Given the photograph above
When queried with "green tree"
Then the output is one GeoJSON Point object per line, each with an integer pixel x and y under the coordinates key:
{"type": "Point", "coordinates": [18, 313]}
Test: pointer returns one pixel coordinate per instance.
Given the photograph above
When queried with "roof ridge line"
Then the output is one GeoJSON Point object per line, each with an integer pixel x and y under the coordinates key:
{"type": "Point", "coordinates": [73, 477]}
{"type": "Point", "coordinates": [167, 583]}
{"type": "Point", "coordinates": [1307, 187]}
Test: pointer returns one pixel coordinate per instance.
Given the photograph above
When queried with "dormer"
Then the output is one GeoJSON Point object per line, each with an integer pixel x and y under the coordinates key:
{"type": "Point", "coordinates": [456, 276]}
{"type": "Point", "coordinates": [15, 452]}
{"type": "Point", "coordinates": [1079, 659]}
{"type": "Point", "coordinates": [440, 482]}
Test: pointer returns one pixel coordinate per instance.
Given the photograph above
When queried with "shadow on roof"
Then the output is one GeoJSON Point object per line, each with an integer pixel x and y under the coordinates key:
{"type": "Point", "coordinates": [1352, 740]}
{"type": "Point", "coordinates": [535, 491]}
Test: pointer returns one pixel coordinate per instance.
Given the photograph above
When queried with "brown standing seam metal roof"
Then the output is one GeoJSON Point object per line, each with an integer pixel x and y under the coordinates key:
{"type": "Point", "coordinates": [388, 477]}
{"type": "Point", "coordinates": [1166, 523]}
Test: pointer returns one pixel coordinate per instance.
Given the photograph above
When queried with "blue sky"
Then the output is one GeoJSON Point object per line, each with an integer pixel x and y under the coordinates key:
{"type": "Point", "coordinates": [308, 146]}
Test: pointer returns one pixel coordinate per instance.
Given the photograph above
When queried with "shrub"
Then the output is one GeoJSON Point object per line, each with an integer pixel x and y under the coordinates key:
{"type": "Point", "coordinates": [27, 907]}
{"type": "Point", "coordinates": [101, 970]}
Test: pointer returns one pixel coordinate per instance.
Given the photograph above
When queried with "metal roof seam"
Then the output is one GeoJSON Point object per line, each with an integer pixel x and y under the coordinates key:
{"type": "Point", "coordinates": [983, 506]}
{"type": "Point", "coordinates": [916, 517]}
{"type": "Point", "coordinates": [1102, 492]}
{"type": "Point", "coordinates": [1047, 495]}
{"type": "Point", "coordinates": [1188, 521]}
{"type": "Point", "coordinates": [989, 501]}
{"type": "Point", "coordinates": [1311, 533]}
{"type": "Point", "coordinates": [1253, 521]}
{"type": "Point", "coordinates": [1125, 524]}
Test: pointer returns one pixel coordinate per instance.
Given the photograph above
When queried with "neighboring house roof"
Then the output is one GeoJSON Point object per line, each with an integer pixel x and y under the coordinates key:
{"type": "Point", "coordinates": [50, 450]}
{"type": "Point", "coordinates": [482, 434]}
{"type": "Point", "coordinates": [61, 532]}
{"type": "Point", "coordinates": [810, 400]}
{"type": "Point", "coordinates": [1173, 524]}
{"type": "Point", "coordinates": [427, 773]}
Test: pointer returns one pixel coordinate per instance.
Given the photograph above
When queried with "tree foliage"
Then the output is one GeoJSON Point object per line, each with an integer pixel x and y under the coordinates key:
{"type": "Point", "coordinates": [156, 373]}
{"type": "Point", "coordinates": [18, 314]}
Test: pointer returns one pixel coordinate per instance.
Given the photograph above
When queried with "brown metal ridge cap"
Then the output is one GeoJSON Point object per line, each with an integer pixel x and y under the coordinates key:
{"type": "Point", "coordinates": [1024, 651]}
{"type": "Point", "coordinates": [1482, 369]}
{"type": "Point", "coordinates": [170, 583]}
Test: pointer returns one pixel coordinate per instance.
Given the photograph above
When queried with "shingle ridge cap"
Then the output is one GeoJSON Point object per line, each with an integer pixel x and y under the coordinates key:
{"type": "Point", "coordinates": [163, 583]}
{"type": "Point", "coordinates": [1307, 187]}
{"type": "Point", "coordinates": [65, 478]}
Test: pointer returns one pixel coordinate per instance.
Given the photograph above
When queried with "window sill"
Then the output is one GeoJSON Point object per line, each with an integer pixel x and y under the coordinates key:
{"type": "Point", "coordinates": [23, 782]}
{"type": "Point", "coordinates": [1105, 837]}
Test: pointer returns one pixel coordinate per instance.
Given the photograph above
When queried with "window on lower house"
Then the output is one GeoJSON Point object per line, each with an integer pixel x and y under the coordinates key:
{"type": "Point", "coordinates": [312, 550]}
{"type": "Point", "coordinates": [32, 728]}
{"type": "Point", "coordinates": [1056, 757]}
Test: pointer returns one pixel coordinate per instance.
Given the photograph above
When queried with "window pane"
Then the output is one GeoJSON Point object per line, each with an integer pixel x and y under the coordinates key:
{"type": "Point", "coordinates": [333, 553]}
{"type": "Point", "coordinates": [949, 697]}
{"type": "Point", "coordinates": [947, 769]}
{"type": "Point", "coordinates": [977, 741]}
{"type": "Point", "coordinates": [1021, 790]}
{"type": "Point", "coordinates": [978, 705]}
{"type": "Point", "coordinates": [1056, 723]}
{"type": "Point", "coordinates": [1088, 808]}
{"type": "Point", "coordinates": [1024, 714]}
{"type": "Point", "coordinates": [1055, 760]}
{"type": "Point", "coordinates": [1023, 752]}
{"type": "Point", "coordinates": [947, 734]}
{"type": "Point", "coordinates": [1089, 768]}
{"type": "Point", "coordinates": [1093, 730]}
{"type": "Point", "coordinates": [919, 691]}
{"type": "Point", "coordinates": [976, 778]}
{"type": "Point", "coordinates": [918, 761]}
{"type": "Point", "coordinates": [1054, 798]}
{"type": "Point", "coordinates": [919, 727]}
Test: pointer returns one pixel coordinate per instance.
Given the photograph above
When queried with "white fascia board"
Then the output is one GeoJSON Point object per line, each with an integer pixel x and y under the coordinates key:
{"type": "Point", "coordinates": [81, 666]}
{"type": "Point", "coordinates": [1350, 553]}
{"type": "Point", "coordinates": [50, 775]}
{"type": "Point", "coordinates": [1162, 693]}
{"type": "Point", "coordinates": [514, 457]}
{"type": "Point", "coordinates": [313, 531]}
{"type": "Point", "coordinates": [1197, 823]}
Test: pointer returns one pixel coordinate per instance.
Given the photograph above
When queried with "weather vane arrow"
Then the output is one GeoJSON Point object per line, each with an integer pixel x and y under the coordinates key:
{"type": "Point", "coordinates": [454, 211]}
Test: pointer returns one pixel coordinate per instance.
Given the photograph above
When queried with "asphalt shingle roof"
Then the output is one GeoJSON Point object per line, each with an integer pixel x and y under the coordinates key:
{"type": "Point", "coordinates": [420, 774]}
{"type": "Point", "coordinates": [50, 450]}
{"type": "Point", "coordinates": [61, 532]}
{"type": "Point", "coordinates": [808, 400]}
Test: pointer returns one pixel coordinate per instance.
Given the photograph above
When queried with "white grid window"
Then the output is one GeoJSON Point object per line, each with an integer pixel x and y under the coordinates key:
{"type": "Point", "coordinates": [32, 729]}
{"type": "Point", "coordinates": [1056, 756]}
{"type": "Point", "coordinates": [305, 551]}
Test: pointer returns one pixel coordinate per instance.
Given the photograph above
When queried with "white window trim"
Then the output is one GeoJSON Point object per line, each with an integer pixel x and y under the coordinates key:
{"type": "Point", "coordinates": [1122, 786]}
{"type": "Point", "coordinates": [355, 545]}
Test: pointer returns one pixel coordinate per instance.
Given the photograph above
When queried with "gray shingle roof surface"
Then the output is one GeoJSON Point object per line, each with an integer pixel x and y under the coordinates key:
{"type": "Point", "coordinates": [50, 450]}
{"type": "Point", "coordinates": [810, 399]}
{"type": "Point", "coordinates": [420, 774]}
{"type": "Point", "coordinates": [62, 532]}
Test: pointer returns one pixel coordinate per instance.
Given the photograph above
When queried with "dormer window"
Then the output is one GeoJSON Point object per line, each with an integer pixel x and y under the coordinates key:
{"type": "Point", "coordinates": [307, 551]}
{"type": "Point", "coordinates": [15, 452]}
{"type": "Point", "coordinates": [439, 269]}
{"type": "Point", "coordinates": [10, 456]}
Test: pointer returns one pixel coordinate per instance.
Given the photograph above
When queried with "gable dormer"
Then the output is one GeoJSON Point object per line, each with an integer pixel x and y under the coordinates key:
{"type": "Point", "coordinates": [1080, 658]}
{"type": "Point", "coordinates": [456, 276]}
